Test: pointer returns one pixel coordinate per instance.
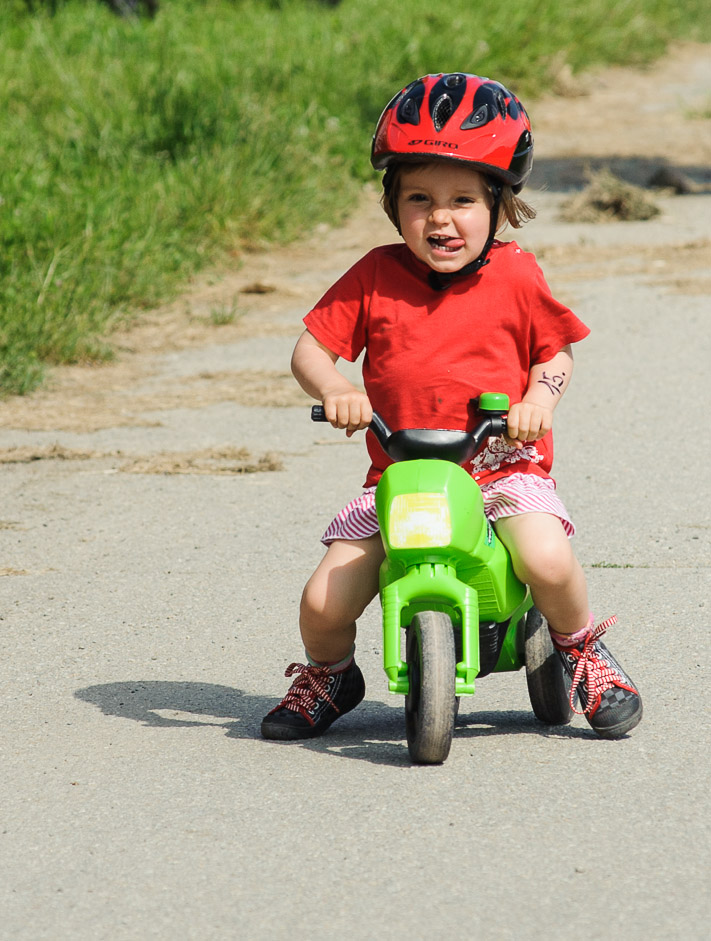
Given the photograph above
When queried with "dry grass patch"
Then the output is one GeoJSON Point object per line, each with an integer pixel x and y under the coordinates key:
{"type": "Point", "coordinates": [689, 286]}
{"type": "Point", "coordinates": [227, 461]}
{"type": "Point", "coordinates": [681, 268]}
{"type": "Point", "coordinates": [53, 452]}
{"type": "Point", "coordinates": [89, 398]}
{"type": "Point", "coordinates": [607, 199]}
{"type": "Point", "coordinates": [215, 461]}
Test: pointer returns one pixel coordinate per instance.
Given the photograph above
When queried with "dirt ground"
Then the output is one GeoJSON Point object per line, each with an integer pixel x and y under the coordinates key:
{"type": "Point", "coordinates": [634, 123]}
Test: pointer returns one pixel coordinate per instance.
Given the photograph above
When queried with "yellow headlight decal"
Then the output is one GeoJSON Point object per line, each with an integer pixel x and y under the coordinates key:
{"type": "Point", "coordinates": [419, 519]}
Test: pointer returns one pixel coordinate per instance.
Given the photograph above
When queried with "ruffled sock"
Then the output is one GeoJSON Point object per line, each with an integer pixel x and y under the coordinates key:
{"type": "Point", "coordinates": [573, 640]}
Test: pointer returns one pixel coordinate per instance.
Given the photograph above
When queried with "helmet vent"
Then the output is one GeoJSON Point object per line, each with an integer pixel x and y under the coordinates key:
{"type": "Point", "coordinates": [442, 112]}
{"type": "Point", "coordinates": [408, 111]}
{"type": "Point", "coordinates": [489, 103]}
{"type": "Point", "coordinates": [454, 79]}
{"type": "Point", "coordinates": [479, 118]}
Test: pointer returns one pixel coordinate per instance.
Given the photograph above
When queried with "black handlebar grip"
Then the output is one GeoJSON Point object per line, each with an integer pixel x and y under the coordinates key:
{"type": "Point", "coordinates": [317, 413]}
{"type": "Point", "coordinates": [499, 425]}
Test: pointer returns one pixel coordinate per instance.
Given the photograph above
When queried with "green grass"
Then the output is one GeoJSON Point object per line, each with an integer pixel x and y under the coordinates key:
{"type": "Point", "coordinates": [135, 153]}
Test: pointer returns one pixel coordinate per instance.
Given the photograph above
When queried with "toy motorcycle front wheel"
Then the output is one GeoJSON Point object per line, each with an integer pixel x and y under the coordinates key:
{"type": "Point", "coordinates": [430, 705]}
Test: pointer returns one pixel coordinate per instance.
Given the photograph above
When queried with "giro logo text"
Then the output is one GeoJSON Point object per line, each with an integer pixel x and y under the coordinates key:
{"type": "Point", "coordinates": [448, 145]}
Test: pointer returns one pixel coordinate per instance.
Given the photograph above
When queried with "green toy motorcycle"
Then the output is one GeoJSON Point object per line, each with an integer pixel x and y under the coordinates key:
{"type": "Point", "coordinates": [448, 583]}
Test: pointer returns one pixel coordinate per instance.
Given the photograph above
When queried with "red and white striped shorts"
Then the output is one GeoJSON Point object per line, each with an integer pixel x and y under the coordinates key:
{"type": "Point", "coordinates": [508, 496]}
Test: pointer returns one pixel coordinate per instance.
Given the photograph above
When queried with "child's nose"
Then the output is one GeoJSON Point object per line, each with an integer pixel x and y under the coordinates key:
{"type": "Point", "coordinates": [439, 215]}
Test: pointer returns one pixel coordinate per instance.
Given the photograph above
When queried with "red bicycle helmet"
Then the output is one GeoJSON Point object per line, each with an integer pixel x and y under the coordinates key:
{"type": "Point", "coordinates": [457, 116]}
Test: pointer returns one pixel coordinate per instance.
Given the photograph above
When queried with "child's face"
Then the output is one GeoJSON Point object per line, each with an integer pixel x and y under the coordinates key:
{"type": "Point", "coordinates": [444, 212]}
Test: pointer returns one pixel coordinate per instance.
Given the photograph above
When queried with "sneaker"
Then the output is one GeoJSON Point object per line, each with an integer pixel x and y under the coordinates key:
{"type": "Point", "coordinates": [610, 700]}
{"type": "Point", "coordinates": [315, 700]}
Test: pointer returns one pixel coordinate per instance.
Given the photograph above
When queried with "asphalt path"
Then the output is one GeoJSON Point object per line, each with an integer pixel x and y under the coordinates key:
{"type": "Point", "coordinates": [147, 621]}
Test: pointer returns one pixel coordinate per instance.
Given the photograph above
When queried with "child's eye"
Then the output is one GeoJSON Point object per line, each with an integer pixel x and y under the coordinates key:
{"type": "Point", "coordinates": [416, 198]}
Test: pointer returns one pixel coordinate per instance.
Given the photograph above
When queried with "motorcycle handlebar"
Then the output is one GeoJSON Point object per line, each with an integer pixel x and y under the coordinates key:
{"type": "Point", "coordinates": [409, 444]}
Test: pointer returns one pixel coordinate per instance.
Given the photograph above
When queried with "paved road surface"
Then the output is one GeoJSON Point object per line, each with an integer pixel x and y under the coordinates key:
{"type": "Point", "coordinates": [147, 620]}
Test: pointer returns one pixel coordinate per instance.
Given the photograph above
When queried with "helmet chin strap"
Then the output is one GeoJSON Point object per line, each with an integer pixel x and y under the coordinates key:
{"type": "Point", "coordinates": [440, 280]}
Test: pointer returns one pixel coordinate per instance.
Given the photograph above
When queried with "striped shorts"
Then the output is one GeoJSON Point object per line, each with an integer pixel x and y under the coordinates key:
{"type": "Point", "coordinates": [508, 496]}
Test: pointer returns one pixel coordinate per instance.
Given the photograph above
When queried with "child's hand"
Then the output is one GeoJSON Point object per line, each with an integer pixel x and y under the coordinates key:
{"type": "Point", "coordinates": [528, 422]}
{"type": "Point", "coordinates": [349, 409]}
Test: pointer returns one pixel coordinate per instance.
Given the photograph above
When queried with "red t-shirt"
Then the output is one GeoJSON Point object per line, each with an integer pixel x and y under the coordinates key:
{"type": "Point", "coordinates": [427, 352]}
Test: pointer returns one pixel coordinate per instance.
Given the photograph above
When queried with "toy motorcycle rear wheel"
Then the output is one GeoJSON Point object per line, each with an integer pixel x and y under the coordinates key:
{"type": "Point", "coordinates": [430, 705]}
{"type": "Point", "coordinates": [548, 682]}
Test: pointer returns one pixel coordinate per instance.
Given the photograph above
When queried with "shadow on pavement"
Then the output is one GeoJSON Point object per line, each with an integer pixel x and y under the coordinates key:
{"type": "Point", "coordinates": [166, 704]}
{"type": "Point", "coordinates": [563, 174]}
{"type": "Point", "coordinates": [514, 722]}
{"type": "Point", "coordinates": [375, 732]}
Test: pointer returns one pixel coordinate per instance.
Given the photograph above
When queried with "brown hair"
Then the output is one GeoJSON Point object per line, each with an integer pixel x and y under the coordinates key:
{"type": "Point", "coordinates": [512, 209]}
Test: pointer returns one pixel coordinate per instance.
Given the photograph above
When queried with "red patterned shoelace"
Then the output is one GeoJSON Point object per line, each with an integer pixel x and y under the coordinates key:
{"type": "Point", "coordinates": [598, 675]}
{"type": "Point", "coordinates": [311, 685]}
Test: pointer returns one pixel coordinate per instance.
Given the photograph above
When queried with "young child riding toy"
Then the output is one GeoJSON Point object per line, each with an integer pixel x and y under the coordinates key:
{"type": "Point", "coordinates": [448, 313]}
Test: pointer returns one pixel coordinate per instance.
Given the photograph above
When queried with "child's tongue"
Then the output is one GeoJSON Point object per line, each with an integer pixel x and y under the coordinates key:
{"type": "Point", "coordinates": [450, 244]}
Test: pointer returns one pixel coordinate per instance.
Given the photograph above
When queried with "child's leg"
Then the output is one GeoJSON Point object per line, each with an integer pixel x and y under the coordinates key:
{"type": "Point", "coordinates": [543, 558]}
{"type": "Point", "coordinates": [331, 684]}
{"type": "Point", "coordinates": [341, 588]}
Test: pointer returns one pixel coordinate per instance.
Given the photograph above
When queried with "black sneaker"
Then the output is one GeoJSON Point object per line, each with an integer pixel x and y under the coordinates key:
{"type": "Point", "coordinates": [315, 700]}
{"type": "Point", "coordinates": [610, 700]}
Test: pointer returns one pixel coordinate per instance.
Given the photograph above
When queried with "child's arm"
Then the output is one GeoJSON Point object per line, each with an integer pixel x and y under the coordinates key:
{"type": "Point", "coordinates": [314, 367]}
{"type": "Point", "coordinates": [532, 418]}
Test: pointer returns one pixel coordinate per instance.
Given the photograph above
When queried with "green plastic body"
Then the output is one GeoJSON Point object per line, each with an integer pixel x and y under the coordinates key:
{"type": "Point", "coordinates": [471, 578]}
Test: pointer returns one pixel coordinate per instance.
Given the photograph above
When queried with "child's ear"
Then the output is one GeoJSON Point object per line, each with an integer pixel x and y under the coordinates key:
{"type": "Point", "coordinates": [390, 211]}
{"type": "Point", "coordinates": [389, 197]}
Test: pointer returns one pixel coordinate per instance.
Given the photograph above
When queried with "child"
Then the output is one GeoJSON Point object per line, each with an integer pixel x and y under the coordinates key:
{"type": "Point", "coordinates": [447, 315]}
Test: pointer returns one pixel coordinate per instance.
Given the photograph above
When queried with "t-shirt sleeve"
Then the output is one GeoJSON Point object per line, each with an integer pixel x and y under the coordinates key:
{"type": "Point", "coordinates": [338, 320]}
{"type": "Point", "coordinates": [552, 324]}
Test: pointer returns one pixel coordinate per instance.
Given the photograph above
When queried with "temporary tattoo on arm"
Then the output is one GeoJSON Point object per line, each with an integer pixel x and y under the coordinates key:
{"type": "Point", "coordinates": [553, 383]}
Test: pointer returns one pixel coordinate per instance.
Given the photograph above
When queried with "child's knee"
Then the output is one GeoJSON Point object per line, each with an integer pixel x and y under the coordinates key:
{"type": "Point", "coordinates": [342, 586]}
{"type": "Point", "coordinates": [321, 608]}
{"type": "Point", "coordinates": [551, 564]}
{"type": "Point", "coordinates": [313, 598]}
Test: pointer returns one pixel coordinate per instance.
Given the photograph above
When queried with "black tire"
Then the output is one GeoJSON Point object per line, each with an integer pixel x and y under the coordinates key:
{"type": "Point", "coordinates": [431, 704]}
{"type": "Point", "coordinates": [548, 682]}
